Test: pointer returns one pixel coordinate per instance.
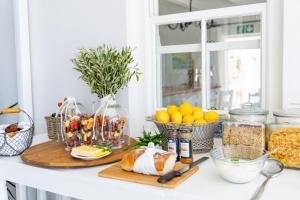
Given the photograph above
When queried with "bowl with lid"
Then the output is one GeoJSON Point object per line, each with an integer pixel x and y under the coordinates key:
{"type": "Point", "coordinates": [238, 163]}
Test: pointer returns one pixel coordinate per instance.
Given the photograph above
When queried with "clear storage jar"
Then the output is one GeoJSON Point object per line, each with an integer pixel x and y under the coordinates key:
{"type": "Point", "coordinates": [111, 124]}
{"type": "Point", "coordinates": [246, 127]}
{"type": "Point", "coordinates": [284, 135]}
{"type": "Point", "coordinates": [70, 123]}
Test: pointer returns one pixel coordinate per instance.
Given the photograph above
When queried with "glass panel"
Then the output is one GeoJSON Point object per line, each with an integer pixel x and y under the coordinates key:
{"type": "Point", "coordinates": [180, 6]}
{"type": "Point", "coordinates": [220, 30]}
{"type": "Point", "coordinates": [181, 33]}
{"type": "Point", "coordinates": [181, 78]}
{"type": "Point", "coordinates": [235, 78]}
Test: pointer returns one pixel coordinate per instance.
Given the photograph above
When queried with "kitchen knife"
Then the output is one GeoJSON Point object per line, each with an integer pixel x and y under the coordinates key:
{"type": "Point", "coordinates": [169, 176]}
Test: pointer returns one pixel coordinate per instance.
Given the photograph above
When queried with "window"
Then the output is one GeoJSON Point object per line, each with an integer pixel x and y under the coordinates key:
{"type": "Point", "coordinates": [212, 58]}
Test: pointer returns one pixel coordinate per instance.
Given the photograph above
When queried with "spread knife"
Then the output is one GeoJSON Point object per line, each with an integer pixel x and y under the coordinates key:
{"type": "Point", "coordinates": [169, 176]}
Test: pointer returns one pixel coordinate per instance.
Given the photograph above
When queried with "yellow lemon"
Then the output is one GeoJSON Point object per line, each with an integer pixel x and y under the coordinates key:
{"type": "Point", "coordinates": [211, 116]}
{"type": "Point", "coordinates": [200, 121]}
{"type": "Point", "coordinates": [195, 109]}
{"type": "Point", "coordinates": [176, 117]}
{"type": "Point", "coordinates": [188, 119]}
{"type": "Point", "coordinates": [198, 114]}
{"type": "Point", "coordinates": [186, 109]}
{"type": "Point", "coordinates": [171, 109]}
{"type": "Point", "coordinates": [162, 116]}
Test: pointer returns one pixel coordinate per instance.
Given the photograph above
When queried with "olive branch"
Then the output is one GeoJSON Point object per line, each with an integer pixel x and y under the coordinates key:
{"type": "Point", "coordinates": [106, 69]}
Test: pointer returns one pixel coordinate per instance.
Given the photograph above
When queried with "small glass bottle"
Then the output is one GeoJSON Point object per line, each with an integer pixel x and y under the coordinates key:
{"type": "Point", "coordinates": [186, 147]}
{"type": "Point", "coordinates": [173, 142]}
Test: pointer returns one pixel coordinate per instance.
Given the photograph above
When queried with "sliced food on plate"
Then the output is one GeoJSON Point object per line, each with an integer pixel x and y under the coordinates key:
{"type": "Point", "coordinates": [93, 152]}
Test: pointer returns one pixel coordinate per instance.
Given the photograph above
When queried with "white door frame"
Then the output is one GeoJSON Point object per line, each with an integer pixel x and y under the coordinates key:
{"type": "Point", "coordinates": [153, 74]}
{"type": "Point", "coordinates": [22, 42]}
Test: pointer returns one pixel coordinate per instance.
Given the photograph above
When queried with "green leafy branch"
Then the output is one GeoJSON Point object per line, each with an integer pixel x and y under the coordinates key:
{"type": "Point", "coordinates": [106, 69]}
{"type": "Point", "coordinates": [146, 139]}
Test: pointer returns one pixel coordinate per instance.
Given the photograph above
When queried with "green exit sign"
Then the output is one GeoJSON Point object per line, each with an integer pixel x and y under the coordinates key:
{"type": "Point", "coordinates": [245, 28]}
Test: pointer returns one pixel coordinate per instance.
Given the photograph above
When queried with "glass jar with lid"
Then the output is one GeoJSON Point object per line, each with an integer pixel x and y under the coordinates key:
{"type": "Point", "coordinates": [284, 135]}
{"type": "Point", "coordinates": [111, 124]}
{"type": "Point", "coordinates": [70, 123]}
{"type": "Point", "coordinates": [246, 127]}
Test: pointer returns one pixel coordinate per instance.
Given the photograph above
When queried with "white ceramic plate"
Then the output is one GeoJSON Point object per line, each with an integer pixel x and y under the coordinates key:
{"type": "Point", "coordinates": [88, 158]}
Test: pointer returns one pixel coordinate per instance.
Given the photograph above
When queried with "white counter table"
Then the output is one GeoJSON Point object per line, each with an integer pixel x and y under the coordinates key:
{"type": "Point", "coordinates": [84, 183]}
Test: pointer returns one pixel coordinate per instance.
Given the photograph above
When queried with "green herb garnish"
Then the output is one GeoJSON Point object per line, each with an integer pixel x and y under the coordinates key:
{"type": "Point", "coordinates": [146, 139]}
{"type": "Point", "coordinates": [106, 148]}
{"type": "Point", "coordinates": [235, 159]}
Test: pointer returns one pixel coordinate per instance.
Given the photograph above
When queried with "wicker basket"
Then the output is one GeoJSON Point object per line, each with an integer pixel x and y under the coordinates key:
{"type": "Point", "coordinates": [12, 146]}
{"type": "Point", "coordinates": [203, 134]}
{"type": "Point", "coordinates": [53, 126]}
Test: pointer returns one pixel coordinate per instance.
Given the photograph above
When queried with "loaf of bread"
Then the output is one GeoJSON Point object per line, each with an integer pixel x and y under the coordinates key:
{"type": "Point", "coordinates": [148, 161]}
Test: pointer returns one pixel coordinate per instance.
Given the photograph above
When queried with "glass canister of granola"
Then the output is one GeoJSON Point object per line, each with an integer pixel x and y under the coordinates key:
{"type": "Point", "coordinates": [246, 127]}
{"type": "Point", "coordinates": [284, 135]}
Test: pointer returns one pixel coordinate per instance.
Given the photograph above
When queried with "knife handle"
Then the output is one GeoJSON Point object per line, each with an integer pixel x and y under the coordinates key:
{"type": "Point", "coordinates": [168, 176]}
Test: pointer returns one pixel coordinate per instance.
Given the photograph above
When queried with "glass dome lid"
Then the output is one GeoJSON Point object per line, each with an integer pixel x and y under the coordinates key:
{"type": "Point", "coordinates": [248, 109]}
{"type": "Point", "coordinates": [291, 112]}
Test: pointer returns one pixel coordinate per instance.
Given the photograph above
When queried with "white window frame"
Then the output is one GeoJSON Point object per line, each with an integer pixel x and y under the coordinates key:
{"type": "Point", "coordinates": [154, 50]}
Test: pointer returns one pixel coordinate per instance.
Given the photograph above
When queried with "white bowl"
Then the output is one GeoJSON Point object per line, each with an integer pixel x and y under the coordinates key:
{"type": "Point", "coordinates": [238, 164]}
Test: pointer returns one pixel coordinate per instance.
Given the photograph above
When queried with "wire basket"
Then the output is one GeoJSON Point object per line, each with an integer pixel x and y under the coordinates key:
{"type": "Point", "coordinates": [12, 146]}
{"type": "Point", "coordinates": [203, 133]}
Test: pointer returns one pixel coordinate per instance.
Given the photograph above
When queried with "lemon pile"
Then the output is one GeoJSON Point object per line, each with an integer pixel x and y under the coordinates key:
{"type": "Point", "coordinates": [185, 113]}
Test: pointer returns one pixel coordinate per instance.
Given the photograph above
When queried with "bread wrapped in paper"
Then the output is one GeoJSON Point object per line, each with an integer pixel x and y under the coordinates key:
{"type": "Point", "coordinates": [149, 161]}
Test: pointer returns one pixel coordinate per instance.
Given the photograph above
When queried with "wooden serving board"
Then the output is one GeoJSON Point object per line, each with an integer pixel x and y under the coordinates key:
{"type": "Point", "coordinates": [115, 172]}
{"type": "Point", "coordinates": [52, 154]}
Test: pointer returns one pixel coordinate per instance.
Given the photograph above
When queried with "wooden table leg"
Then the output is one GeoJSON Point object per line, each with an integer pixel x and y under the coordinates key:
{"type": "Point", "coordinates": [3, 190]}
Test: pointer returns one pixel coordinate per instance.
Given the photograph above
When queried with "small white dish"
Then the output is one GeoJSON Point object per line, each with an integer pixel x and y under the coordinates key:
{"type": "Point", "coordinates": [89, 158]}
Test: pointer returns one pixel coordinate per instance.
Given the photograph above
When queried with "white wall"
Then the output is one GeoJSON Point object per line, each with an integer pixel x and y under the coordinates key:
{"type": "Point", "coordinates": [291, 39]}
{"type": "Point", "coordinates": [8, 73]}
{"type": "Point", "coordinates": [57, 29]}
{"type": "Point", "coordinates": [275, 53]}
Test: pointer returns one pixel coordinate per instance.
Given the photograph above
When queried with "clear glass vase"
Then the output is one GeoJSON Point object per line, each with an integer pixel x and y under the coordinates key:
{"type": "Point", "coordinates": [110, 123]}
{"type": "Point", "coordinates": [70, 123]}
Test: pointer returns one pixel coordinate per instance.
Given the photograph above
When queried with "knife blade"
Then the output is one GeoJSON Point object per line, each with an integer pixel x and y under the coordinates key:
{"type": "Point", "coordinates": [169, 176]}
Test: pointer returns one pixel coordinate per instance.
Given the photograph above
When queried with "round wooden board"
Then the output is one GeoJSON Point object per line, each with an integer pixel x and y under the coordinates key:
{"type": "Point", "coordinates": [52, 154]}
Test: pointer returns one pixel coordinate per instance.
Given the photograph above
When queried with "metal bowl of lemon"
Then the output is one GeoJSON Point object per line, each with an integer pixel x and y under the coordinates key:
{"type": "Point", "coordinates": [203, 124]}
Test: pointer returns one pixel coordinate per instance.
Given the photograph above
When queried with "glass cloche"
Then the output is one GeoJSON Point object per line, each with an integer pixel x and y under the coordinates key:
{"type": "Point", "coordinates": [110, 124]}
{"type": "Point", "coordinates": [70, 123]}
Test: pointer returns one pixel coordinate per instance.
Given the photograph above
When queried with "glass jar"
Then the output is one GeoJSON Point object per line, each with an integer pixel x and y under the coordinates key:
{"type": "Point", "coordinates": [70, 123]}
{"type": "Point", "coordinates": [246, 127]}
{"type": "Point", "coordinates": [110, 124]}
{"type": "Point", "coordinates": [284, 135]}
{"type": "Point", "coordinates": [87, 123]}
{"type": "Point", "coordinates": [249, 113]}
{"type": "Point", "coordinates": [173, 141]}
{"type": "Point", "coordinates": [186, 146]}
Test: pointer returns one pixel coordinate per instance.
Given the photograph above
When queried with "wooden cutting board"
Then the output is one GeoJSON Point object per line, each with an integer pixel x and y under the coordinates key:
{"type": "Point", "coordinates": [115, 172]}
{"type": "Point", "coordinates": [52, 154]}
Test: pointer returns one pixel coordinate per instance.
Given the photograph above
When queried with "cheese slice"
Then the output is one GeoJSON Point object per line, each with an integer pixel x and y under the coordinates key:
{"type": "Point", "coordinates": [88, 151]}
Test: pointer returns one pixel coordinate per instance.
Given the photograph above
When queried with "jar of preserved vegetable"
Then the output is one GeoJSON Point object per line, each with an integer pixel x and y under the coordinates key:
{"type": "Point", "coordinates": [246, 127]}
{"type": "Point", "coordinates": [186, 147]}
{"type": "Point", "coordinates": [284, 135]}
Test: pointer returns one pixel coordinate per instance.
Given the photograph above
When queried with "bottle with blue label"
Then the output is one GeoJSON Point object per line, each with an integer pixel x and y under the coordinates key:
{"type": "Point", "coordinates": [173, 141]}
{"type": "Point", "coordinates": [186, 147]}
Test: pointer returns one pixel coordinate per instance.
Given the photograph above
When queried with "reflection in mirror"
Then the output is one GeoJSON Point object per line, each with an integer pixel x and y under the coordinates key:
{"type": "Point", "coordinates": [180, 6]}
{"type": "Point", "coordinates": [181, 33]}
{"type": "Point", "coordinates": [235, 78]}
{"type": "Point", "coordinates": [181, 78]}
